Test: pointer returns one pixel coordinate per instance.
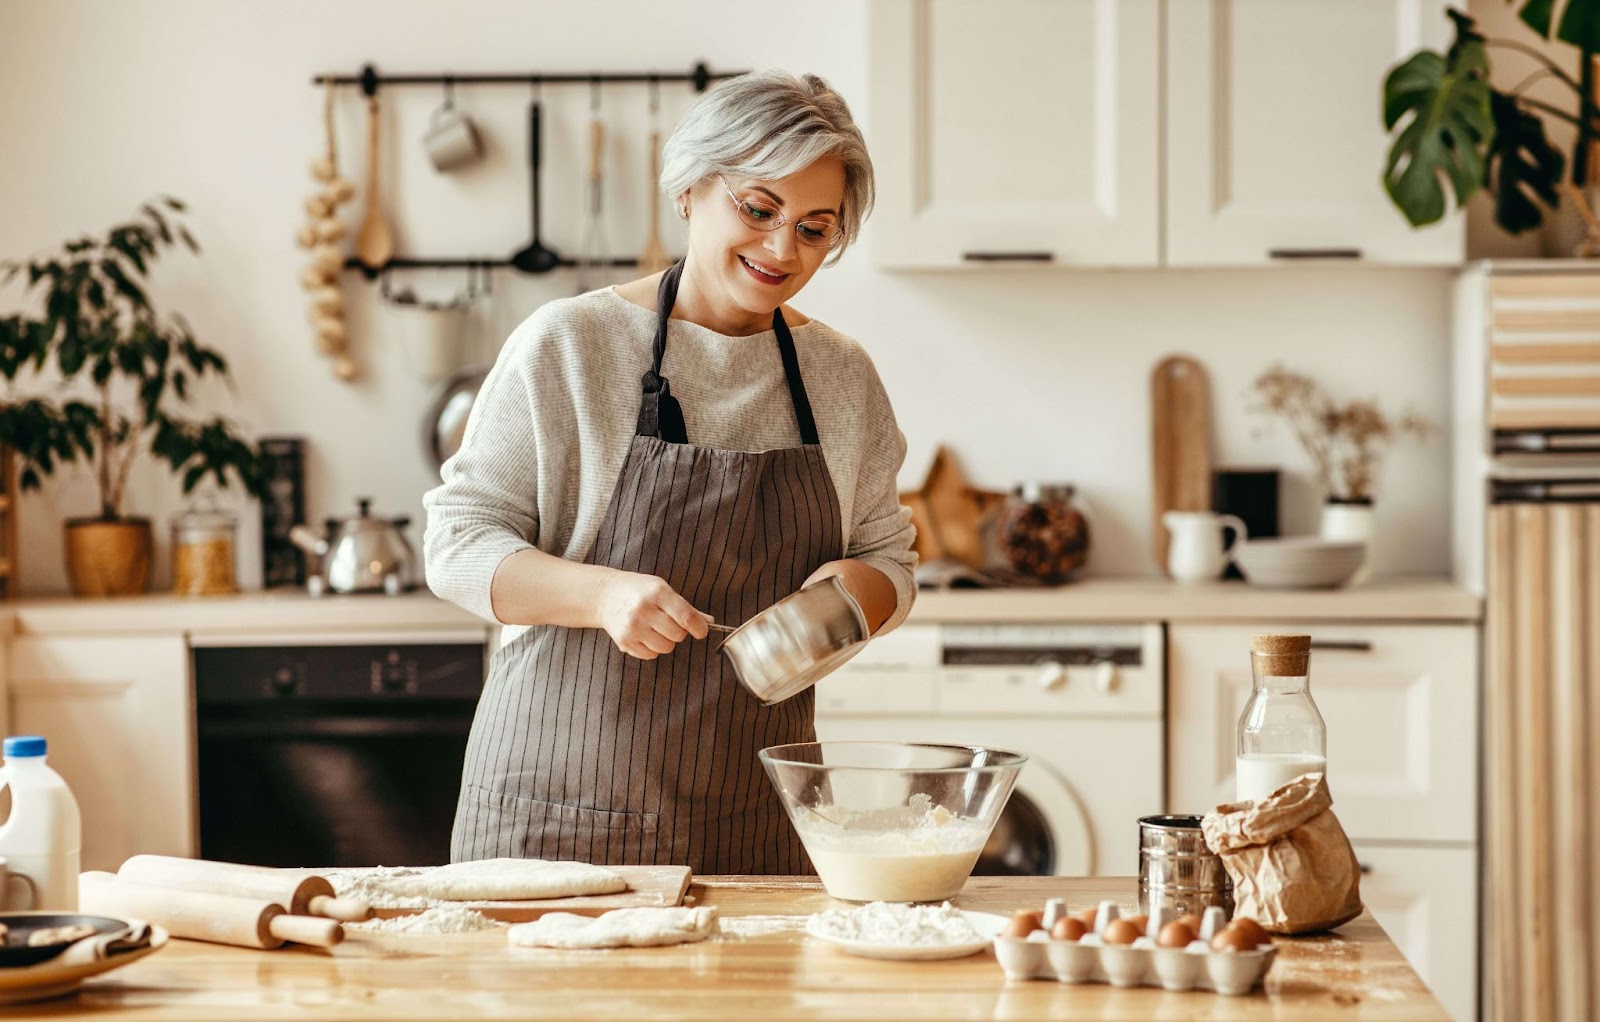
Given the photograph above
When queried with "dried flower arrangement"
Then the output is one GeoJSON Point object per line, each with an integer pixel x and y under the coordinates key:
{"type": "Point", "coordinates": [1346, 442]}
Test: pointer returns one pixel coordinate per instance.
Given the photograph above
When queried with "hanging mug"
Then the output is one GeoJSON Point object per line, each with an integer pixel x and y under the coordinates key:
{"type": "Point", "coordinates": [452, 140]}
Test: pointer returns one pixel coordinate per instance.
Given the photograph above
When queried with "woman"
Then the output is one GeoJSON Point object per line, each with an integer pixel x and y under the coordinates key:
{"type": "Point", "coordinates": [646, 459]}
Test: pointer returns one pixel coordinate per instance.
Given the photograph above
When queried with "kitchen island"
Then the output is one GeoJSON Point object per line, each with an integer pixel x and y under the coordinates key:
{"type": "Point", "coordinates": [1356, 973]}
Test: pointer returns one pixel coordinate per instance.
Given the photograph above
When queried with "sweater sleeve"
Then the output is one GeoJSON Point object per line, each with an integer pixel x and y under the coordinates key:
{"type": "Point", "coordinates": [487, 508]}
{"type": "Point", "coordinates": [881, 534]}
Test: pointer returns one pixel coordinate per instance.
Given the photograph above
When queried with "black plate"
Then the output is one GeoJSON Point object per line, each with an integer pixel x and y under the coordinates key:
{"type": "Point", "coordinates": [16, 951]}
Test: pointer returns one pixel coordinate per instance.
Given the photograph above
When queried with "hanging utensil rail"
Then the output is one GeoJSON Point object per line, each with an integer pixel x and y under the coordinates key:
{"type": "Point", "coordinates": [370, 81]}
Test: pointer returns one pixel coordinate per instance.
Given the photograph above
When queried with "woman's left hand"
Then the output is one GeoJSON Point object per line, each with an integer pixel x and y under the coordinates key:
{"type": "Point", "coordinates": [870, 587]}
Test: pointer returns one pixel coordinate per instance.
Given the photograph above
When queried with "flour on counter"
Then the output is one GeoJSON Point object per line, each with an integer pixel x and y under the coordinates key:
{"type": "Point", "coordinates": [894, 925]}
{"type": "Point", "coordinates": [373, 886]}
{"type": "Point", "coordinates": [440, 919]}
{"type": "Point", "coordinates": [746, 927]}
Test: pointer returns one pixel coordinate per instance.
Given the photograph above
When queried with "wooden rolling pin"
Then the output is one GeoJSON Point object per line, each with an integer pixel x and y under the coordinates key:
{"type": "Point", "coordinates": [200, 915]}
{"type": "Point", "coordinates": [307, 896]}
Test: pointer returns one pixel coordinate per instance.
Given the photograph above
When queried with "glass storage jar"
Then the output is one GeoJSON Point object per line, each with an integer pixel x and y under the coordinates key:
{"type": "Point", "coordinates": [1042, 533]}
{"type": "Point", "coordinates": [203, 552]}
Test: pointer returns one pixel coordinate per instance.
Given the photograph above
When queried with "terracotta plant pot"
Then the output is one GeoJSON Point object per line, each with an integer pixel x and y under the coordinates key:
{"type": "Point", "coordinates": [108, 558]}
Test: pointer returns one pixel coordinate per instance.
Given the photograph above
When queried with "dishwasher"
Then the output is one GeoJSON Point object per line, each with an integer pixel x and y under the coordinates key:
{"type": "Point", "coordinates": [344, 752]}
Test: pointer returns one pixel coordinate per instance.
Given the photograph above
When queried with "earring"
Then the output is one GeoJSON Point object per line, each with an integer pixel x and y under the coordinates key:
{"type": "Point", "coordinates": [683, 211]}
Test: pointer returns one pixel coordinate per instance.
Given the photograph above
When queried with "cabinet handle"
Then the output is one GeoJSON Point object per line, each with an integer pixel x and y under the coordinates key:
{"type": "Point", "coordinates": [1343, 645]}
{"type": "Point", "coordinates": [1314, 253]}
{"type": "Point", "coordinates": [1365, 867]}
{"type": "Point", "coordinates": [1009, 257]}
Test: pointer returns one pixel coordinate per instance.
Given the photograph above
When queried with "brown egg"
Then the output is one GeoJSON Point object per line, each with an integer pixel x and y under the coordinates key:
{"type": "Point", "coordinates": [1068, 928]}
{"type": "Point", "coordinates": [1086, 917]}
{"type": "Point", "coordinates": [1175, 934]}
{"type": "Point", "coordinates": [1192, 922]}
{"type": "Point", "coordinates": [1121, 931]}
{"type": "Point", "coordinates": [1252, 929]}
{"type": "Point", "coordinates": [1233, 938]}
{"type": "Point", "coordinates": [1022, 924]}
{"type": "Point", "coordinates": [1142, 922]}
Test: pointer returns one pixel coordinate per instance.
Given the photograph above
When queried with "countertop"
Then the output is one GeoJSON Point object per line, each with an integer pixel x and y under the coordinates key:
{"type": "Point", "coordinates": [292, 612]}
{"type": "Point", "coordinates": [1356, 973]}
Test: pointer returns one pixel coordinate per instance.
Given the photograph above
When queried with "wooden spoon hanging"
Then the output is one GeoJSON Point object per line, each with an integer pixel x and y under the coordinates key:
{"type": "Point", "coordinates": [654, 258]}
{"type": "Point", "coordinates": [374, 242]}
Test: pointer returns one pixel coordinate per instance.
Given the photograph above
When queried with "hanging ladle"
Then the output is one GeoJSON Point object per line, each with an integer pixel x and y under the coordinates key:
{"type": "Point", "coordinates": [536, 258]}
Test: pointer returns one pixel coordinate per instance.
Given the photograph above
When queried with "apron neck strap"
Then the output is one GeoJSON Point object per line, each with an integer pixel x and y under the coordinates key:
{"type": "Point", "coordinates": [660, 414]}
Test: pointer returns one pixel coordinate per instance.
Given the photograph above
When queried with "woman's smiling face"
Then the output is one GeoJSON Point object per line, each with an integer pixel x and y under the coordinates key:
{"type": "Point", "coordinates": [757, 270]}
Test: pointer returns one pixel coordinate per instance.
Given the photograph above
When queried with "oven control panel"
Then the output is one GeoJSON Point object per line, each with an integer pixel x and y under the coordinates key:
{"type": "Point", "coordinates": [244, 674]}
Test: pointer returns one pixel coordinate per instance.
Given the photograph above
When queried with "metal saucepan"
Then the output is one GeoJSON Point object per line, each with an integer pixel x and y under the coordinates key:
{"type": "Point", "coordinates": [797, 641]}
{"type": "Point", "coordinates": [446, 421]}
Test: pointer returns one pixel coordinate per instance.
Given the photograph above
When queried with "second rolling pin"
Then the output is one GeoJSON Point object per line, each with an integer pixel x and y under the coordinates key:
{"type": "Point", "coordinates": [308, 895]}
{"type": "Point", "coordinates": [200, 915]}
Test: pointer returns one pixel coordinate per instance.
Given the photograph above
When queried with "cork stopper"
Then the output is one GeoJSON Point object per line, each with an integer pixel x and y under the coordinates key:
{"type": "Point", "coordinates": [1282, 656]}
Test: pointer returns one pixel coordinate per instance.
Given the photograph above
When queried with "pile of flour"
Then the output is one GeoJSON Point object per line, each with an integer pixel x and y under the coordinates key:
{"type": "Point", "coordinates": [897, 925]}
{"type": "Point", "coordinates": [372, 886]}
{"type": "Point", "coordinates": [452, 918]}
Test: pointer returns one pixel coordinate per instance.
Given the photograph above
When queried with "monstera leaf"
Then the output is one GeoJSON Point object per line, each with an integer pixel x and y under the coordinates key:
{"type": "Point", "coordinates": [1446, 97]}
{"type": "Point", "coordinates": [1579, 23]}
{"type": "Point", "coordinates": [1522, 164]}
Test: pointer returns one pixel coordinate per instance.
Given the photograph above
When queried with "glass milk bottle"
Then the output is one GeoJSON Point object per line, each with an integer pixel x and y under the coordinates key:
{"type": "Point", "coordinates": [1281, 733]}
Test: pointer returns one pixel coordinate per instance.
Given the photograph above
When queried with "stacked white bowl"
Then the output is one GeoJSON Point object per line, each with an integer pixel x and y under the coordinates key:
{"type": "Point", "coordinates": [1299, 562]}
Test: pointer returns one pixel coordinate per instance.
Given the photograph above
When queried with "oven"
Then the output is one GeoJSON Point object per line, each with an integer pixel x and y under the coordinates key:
{"type": "Point", "coordinates": [334, 753]}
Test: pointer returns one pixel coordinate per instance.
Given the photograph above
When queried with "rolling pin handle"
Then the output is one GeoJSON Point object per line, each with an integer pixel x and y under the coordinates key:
{"type": "Point", "coordinates": [306, 930]}
{"type": "Point", "coordinates": [349, 910]}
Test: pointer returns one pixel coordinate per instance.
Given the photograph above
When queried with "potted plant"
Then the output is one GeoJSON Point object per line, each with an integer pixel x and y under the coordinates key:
{"type": "Point", "coordinates": [1346, 444]}
{"type": "Point", "coordinates": [1453, 130]}
{"type": "Point", "coordinates": [108, 374]}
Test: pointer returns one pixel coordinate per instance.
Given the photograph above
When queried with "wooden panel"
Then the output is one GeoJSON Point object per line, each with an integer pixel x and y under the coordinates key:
{"type": "Point", "coordinates": [1589, 578]}
{"type": "Point", "coordinates": [1500, 727]}
{"type": "Point", "coordinates": [1503, 320]}
{"type": "Point", "coordinates": [1535, 886]}
{"type": "Point", "coordinates": [1544, 418]}
{"type": "Point", "coordinates": [1566, 354]}
{"type": "Point", "coordinates": [1569, 620]}
{"type": "Point", "coordinates": [1545, 285]}
{"type": "Point", "coordinates": [1547, 386]}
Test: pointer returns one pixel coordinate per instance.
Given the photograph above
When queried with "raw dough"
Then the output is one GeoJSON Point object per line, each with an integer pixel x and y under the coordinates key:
{"type": "Point", "coordinates": [508, 880]}
{"type": "Point", "coordinates": [623, 927]}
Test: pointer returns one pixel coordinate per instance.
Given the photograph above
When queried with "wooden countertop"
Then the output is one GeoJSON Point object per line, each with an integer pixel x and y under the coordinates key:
{"type": "Point", "coordinates": [293, 613]}
{"type": "Point", "coordinates": [1356, 973]}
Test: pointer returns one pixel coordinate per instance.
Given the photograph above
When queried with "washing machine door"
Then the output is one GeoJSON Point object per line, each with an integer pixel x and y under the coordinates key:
{"type": "Point", "coordinates": [1043, 830]}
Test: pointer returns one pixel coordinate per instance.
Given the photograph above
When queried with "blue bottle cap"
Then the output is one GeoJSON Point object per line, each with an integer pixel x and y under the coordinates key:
{"type": "Point", "coordinates": [23, 745]}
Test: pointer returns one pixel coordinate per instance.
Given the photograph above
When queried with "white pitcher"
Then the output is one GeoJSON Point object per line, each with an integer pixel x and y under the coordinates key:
{"type": "Point", "coordinates": [1197, 552]}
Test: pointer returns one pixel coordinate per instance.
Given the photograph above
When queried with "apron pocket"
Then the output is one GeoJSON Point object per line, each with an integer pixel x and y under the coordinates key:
{"type": "Point", "coordinates": [511, 825]}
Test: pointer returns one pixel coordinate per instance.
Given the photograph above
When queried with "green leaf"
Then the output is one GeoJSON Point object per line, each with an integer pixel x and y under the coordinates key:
{"type": "Point", "coordinates": [1537, 15]}
{"type": "Point", "coordinates": [1443, 100]}
{"type": "Point", "coordinates": [1523, 164]}
{"type": "Point", "coordinates": [1580, 25]}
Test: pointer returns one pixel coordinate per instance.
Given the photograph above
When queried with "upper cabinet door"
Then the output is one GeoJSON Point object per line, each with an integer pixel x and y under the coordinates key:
{"type": "Point", "coordinates": [1275, 139]}
{"type": "Point", "coordinates": [1015, 131]}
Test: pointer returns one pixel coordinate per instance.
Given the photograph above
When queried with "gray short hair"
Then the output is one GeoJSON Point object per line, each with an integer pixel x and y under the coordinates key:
{"type": "Point", "coordinates": [769, 124]}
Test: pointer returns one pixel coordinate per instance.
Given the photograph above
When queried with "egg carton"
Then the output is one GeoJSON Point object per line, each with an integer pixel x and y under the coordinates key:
{"type": "Point", "coordinates": [1142, 963]}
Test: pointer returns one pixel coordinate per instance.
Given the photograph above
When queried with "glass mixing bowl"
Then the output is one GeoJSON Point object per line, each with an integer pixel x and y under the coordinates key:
{"type": "Point", "coordinates": [892, 821]}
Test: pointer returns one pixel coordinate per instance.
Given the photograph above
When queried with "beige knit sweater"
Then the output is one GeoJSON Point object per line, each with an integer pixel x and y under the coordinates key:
{"type": "Point", "coordinates": [554, 420]}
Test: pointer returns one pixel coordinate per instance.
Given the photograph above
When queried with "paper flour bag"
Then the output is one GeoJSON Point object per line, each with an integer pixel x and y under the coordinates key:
{"type": "Point", "coordinates": [1293, 868]}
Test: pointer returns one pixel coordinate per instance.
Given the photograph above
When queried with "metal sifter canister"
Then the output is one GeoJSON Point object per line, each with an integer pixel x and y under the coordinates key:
{"type": "Point", "coordinates": [1176, 869]}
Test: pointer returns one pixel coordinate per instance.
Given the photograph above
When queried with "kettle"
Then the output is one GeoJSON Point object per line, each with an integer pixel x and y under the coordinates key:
{"type": "Point", "coordinates": [360, 553]}
{"type": "Point", "coordinates": [1197, 552]}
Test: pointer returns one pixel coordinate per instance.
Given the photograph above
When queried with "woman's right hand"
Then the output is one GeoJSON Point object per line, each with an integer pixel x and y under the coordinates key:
{"type": "Point", "coordinates": [645, 616]}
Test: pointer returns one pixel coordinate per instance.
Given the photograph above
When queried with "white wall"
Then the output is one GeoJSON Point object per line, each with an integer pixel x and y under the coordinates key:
{"type": "Point", "coordinates": [1026, 374]}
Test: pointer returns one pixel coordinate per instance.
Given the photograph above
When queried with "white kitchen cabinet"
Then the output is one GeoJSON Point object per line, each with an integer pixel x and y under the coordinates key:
{"type": "Point", "coordinates": [1426, 899]}
{"type": "Point", "coordinates": [1401, 706]}
{"type": "Point", "coordinates": [1275, 138]}
{"type": "Point", "coordinates": [1015, 131]}
{"type": "Point", "coordinates": [117, 712]}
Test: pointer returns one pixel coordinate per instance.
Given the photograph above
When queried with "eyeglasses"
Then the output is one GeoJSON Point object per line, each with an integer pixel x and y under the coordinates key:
{"type": "Point", "coordinates": [763, 216]}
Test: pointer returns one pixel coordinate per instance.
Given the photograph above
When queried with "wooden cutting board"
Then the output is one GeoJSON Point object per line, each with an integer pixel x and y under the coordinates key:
{"type": "Point", "coordinates": [648, 887]}
{"type": "Point", "coordinates": [1180, 443]}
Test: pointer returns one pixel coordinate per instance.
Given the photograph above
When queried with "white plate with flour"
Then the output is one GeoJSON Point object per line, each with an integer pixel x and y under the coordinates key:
{"type": "Point", "coordinates": [908, 933]}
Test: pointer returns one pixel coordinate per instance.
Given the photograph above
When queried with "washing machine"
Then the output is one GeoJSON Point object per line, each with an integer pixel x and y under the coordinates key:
{"type": "Point", "coordinates": [1084, 702]}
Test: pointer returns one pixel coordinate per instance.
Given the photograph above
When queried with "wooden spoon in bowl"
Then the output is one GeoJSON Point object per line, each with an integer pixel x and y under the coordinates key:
{"type": "Point", "coordinates": [374, 242]}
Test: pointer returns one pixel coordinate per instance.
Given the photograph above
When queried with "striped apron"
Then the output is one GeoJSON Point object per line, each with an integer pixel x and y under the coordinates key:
{"type": "Point", "coordinates": [579, 751]}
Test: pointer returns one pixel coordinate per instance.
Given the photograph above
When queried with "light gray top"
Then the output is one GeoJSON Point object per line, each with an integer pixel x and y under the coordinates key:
{"type": "Point", "coordinates": [553, 422]}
